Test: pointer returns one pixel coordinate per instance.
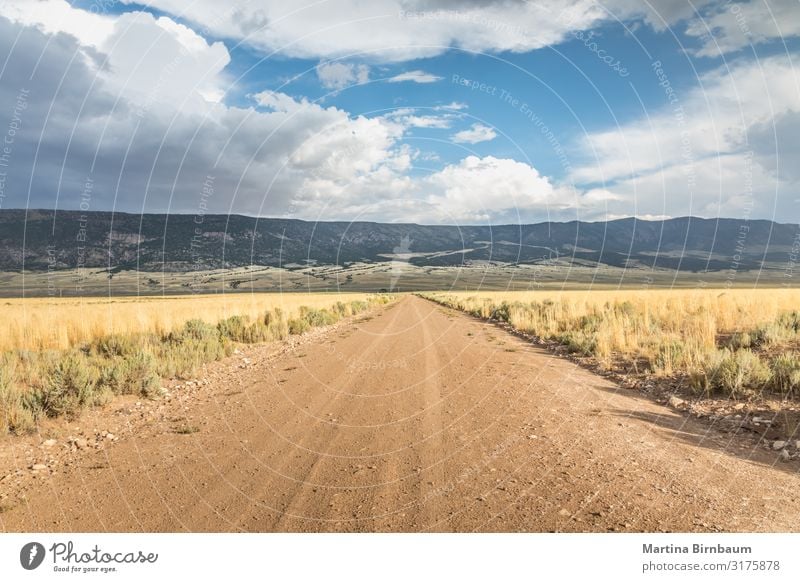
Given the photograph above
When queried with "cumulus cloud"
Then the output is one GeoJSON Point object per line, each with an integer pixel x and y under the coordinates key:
{"type": "Point", "coordinates": [414, 77]}
{"type": "Point", "coordinates": [475, 134]}
{"type": "Point", "coordinates": [487, 189]}
{"type": "Point", "coordinates": [337, 75]}
{"type": "Point", "coordinates": [283, 156]}
{"type": "Point", "coordinates": [698, 153]}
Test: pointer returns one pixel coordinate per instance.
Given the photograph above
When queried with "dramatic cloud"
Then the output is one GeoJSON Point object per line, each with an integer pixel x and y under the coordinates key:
{"type": "Point", "coordinates": [475, 134]}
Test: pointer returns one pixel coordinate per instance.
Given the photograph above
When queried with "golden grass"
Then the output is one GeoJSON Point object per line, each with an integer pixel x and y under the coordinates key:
{"type": "Point", "coordinates": [59, 324]}
{"type": "Point", "coordinates": [697, 314]}
{"type": "Point", "coordinates": [703, 334]}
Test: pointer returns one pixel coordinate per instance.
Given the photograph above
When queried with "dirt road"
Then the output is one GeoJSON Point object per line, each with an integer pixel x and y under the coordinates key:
{"type": "Point", "coordinates": [417, 418]}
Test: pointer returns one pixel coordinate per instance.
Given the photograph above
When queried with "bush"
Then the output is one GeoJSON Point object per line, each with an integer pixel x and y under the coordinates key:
{"type": "Point", "coordinates": [738, 373]}
{"type": "Point", "coordinates": [234, 328]}
{"type": "Point", "coordinates": [69, 387]}
{"type": "Point", "coordinates": [117, 345]}
{"type": "Point", "coordinates": [196, 329]}
{"type": "Point", "coordinates": [318, 317]}
{"type": "Point", "coordinates": [786, 374]}
{"type": "Point", "coordinates": [579, 342]}
{"type": "Point", "coordinates": [14, 416]}
{"type": "Point", "coordinates": [669, 357]}
{"type": "Point", "coordinates": [136, 374]}
{"type": "Point", "coordinates": [743, 340]}
{"type": "Point", "coordinates": [298, 325]}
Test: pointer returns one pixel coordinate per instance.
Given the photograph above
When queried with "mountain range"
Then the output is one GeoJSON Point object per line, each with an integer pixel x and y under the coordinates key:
{"type": "Point", "coordinates": [46, 239]}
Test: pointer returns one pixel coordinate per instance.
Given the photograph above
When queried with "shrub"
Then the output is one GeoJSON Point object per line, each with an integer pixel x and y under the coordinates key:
{"type": "Point", "coordinates": [786, 374]}
{"type": "Point", "coordinates": [69, 387]}
{"type": "Point", "coordinates": [136, 374]}
{"type": "Point", "coordinates": [234, 328]}
{"type": "Point", "coordinates": [276, 324]}
{"type": "Point", "coordinates": [739, 373]}
{"type": "Point", "coordinates": [317, 317]}
{"type": "Point", "coordinates": [579, 342]}
{"type": "Point", "coordinates": [197, 329]}
{"type": "Point", "coordinates": [116, 345]}
{"type": "Point", "coordinates": [298, 325]}
{"type": "Point", "coordinates": [743, 340]}
{"type": "Point", "coordinates": [669, 357]}
{"type": "Point", "coordinates": [14, 416]}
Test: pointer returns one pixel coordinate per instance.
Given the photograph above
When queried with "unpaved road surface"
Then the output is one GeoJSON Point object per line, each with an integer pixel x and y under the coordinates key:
{"type": "Point", "coordinates": [417, 418]}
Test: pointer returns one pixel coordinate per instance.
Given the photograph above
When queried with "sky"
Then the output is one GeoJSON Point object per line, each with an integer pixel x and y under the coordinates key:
{"type": "Point", "coordinates": [427, 111]}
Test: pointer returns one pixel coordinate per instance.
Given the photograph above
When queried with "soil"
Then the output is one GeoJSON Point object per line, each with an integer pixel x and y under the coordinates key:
{"type": "Point", "coordinates": [413, 418]}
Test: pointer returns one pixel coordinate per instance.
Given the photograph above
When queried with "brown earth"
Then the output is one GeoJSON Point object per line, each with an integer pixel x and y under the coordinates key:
{"type": "Point", "coordinates": [417, 418]}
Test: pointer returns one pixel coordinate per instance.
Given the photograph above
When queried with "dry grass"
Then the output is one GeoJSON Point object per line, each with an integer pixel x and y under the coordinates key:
{"type": "Point", "coordinates": [58, 324]}
{"type": "Point", "coordinates": [105, 348]}
{"type": "Point", "coordinates": [738, 341]}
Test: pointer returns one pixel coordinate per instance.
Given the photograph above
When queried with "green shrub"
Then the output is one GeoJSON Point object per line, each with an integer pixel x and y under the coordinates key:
{"type": "Point", "coordinates": [14, 415]}
{"type": "Point", "coordinates": [739, 373]}
{"type": "Point", "coordinates": [742, 340]}
{"type": "Point", "coordinates": [579, 342]}
{"type": "Point", "coordinates": [669, 356]}
{"type": "Point", "coordinates": [68, 388]}
{"type": "Point", "coordinates": [197, 329]}
{"type": "Point", "coordinates": [318, 317]}
{"type": "Point", "coordinates": [117, 345]}
{"type": "Point", "coordinates": [135, 374]}
{"type": "Point", "coordinates": [234, 328]}
{"type": "Point", "coordinates": [298, 325]}
{"type": "Point", "coordinates": [276, 324]}
{"type": "Point", "coordinates": [786, 374]}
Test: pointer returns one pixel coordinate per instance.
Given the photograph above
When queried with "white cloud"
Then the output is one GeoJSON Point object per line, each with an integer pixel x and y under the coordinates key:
{"type": "Point", "coordinates": [52, 16]}
{"type": "Point", "coordinates": [709, 120]}
{"type": "Point", "coordinates": [731, 26]}
{"type": "Point", "coordinates": [338, 75]}
{"type": "Point", "coordinates": [485, 189]}
{"type": "Point", "coordinates": [388, 30]}
{"type": "Point", "coordinates": [401, 30]}
{"type": "Point", "coordinates": [475, 134]}
{"type": "Point", "coordinates": [153, 61]}
{"type": "Point", "coordinates": [414, 77]}
{"type": "Point", "coordinates": [722, 148]}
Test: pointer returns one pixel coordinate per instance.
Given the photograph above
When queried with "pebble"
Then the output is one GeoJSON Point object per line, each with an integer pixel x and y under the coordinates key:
{"type": "Point", "coordinates": [49, 443]}
{"type": "Point", "coordinates": [38, 467]}
{"type": "Point", "coordinates": [676, 402]}
{"type": "Point", "coordinates": [778, 445]}
{"type": "Point", "coordinates": [784, 456]}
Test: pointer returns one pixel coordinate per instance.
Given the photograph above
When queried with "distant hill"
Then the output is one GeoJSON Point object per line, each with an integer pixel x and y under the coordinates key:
{"type": "Point", "coordinates": [42, 239]}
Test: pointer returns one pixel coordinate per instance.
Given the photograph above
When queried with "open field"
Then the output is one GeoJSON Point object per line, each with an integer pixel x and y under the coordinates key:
{"type": "Point", "coordinates": [62, 356]}
{"type": "Point", "coordinates": [415, 418]}
{"type": "Point", "coordinates": [62, 323]}
{"type": "Point", "coordinates": [395, 275]}
{"type": "Point", "coordinates": [740, 342]}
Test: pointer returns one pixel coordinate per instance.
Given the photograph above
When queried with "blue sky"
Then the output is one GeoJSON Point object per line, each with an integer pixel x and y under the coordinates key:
{"type": "Point", "coordinates": [405, 110]}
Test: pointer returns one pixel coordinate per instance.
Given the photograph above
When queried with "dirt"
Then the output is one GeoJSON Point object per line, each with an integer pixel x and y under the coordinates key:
{"type": "Point", "coordinates": [415, 418]}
